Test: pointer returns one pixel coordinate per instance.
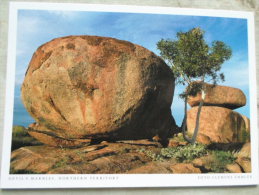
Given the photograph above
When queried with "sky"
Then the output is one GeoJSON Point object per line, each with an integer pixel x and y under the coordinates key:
{"type": "Point", "coordinates": [36, 27]}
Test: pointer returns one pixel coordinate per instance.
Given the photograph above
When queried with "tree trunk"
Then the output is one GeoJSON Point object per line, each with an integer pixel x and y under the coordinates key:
{"type": "Point", "coordinates": [184, 124]}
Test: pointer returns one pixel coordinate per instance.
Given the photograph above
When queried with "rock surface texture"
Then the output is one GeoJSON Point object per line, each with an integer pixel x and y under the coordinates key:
{"type": "Point", "coordinates": [244, 158]}
{"type": "Point", "coordinates": [89, 87]}
{"type": "Point", "coordinates": [218, 122]}
{"type": "Point", "coordinates": [222, 96]}
{"type": "Point", "coordinates": [217, 125]}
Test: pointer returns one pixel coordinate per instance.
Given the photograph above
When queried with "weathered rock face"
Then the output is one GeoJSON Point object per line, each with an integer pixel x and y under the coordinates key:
{"type": "Point", "coordinates": [244, 158]}
{"type": "Point", "coordinates": [223, 96]}
{"type": "Point", "coordinates": [246, 133]}
{"type": "Point", "coordinates": [217, 125]}
{"type": "Point", "coordinates": [87, 87]}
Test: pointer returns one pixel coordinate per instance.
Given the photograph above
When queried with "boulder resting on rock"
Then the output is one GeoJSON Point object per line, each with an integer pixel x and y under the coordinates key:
{"type": "Point", "coordinates": [217, 95]}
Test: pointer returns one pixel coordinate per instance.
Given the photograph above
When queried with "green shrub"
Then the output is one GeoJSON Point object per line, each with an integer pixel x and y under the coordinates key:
{"type": "Point", "coordinates": [180, 153]}
{"type": "Point", "coordinates": [154, 156]}
{"type": "Point", "coordinates": [61, 163]}
{"type": "Point", "coordinates": [221, 159]}
{"type": "Point", "coordinates": [185, 153]}
{"type": "Point", "coordinates": [19, 131]}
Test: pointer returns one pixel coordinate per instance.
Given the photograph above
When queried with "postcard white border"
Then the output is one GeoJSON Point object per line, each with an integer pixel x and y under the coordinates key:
{"type": "Point", "coordinates": [123, 180]}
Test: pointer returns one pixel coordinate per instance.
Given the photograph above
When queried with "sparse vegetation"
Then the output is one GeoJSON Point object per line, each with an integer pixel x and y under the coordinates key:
{"type": "Point", "coordinates": [221, 159]}
{"type": "Point", "coordinates": [154, 156]}
{"type": "Point", "coordinates": [185, 153]}
{"type": "Point", "coordinates": [20, 138]}
{"type": "Point", "coordinates": [215, 160]}
{"type": "Point", "coordinates": [180, 153]}
{"type": "Point", "coordinates": [61, 163]}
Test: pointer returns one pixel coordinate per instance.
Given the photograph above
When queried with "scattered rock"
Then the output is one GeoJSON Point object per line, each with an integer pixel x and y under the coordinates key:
{"type": "Point", "coordinates": [173, 143]}
{"type": "Point", "coordinates": [143, 142]}
{"type": "Point", "coordinates": [222, 96]}
{"type": "Point", "coordinates": [245, 151]}
{"type": "Point", "coordinates": [185, 168]}
{"type": "Point", "coordinates": [89, 87]}
{"type": "Point", "coordinates": [217, 125]}
{"type": "Point", "coordinates": [199, 162]}
{"type": "Point", "coordinates": [244, 158]}
{"type": "Point", "coordinates": [234, 168]}
{"type": "Point", "coordinates": [100, 158]}
{"type": "Point", "coordinates": [152, 167]}
{"type": "Point", "coordinates": [177, 140]}
{"type": "Point", "coordinates": [245, 164]}
{"type": "Point", "coordinates": [123, 158]}
{"type": "Point", "coordinates": [34, 159]}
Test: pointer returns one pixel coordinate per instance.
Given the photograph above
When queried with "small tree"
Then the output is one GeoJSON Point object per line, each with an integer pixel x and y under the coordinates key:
{"type": "Point", "coordinates": [192, 60]}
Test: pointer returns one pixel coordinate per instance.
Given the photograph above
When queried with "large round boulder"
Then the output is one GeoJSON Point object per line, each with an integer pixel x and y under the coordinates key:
{"type": "Point", "coordinates": [218, 125]}
{"type": "Point", "coordinates": [87, 87]}
{"type": "Point", "coordinates": [217, 95]}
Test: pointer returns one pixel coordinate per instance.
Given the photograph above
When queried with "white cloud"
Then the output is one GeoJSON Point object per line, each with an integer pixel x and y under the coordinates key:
{"type": "Point", "coordinates": [29, 24]}
{"type": "Point", "coordinates": [237, 77]}
{"type": "Point", "coordinates": [68, 15]}
{"type": "Point", "coordinates": [28, 28]}
{"type": "Point", "coordinates": [236, 71]}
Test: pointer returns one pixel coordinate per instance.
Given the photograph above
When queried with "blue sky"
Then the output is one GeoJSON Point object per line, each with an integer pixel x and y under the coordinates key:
{"type": "Point", "coordinates": [37, 27]}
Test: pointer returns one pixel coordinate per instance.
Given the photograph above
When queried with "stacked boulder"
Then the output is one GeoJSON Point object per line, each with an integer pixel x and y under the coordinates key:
{"type": "Point", "coordinates": [218, 122]}
{"type": "Point", "coordinates": [83, 88]}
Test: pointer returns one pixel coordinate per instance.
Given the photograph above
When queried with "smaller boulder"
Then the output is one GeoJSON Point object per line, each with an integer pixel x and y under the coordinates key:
{"type": "Point", "coordinates": [217, 125]}
{"type": "Point", "coordinates": [223, 96]}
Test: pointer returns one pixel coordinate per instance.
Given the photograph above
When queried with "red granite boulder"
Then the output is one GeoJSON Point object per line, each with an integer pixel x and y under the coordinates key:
{"type": "Point", "coordinates": [89, 87]}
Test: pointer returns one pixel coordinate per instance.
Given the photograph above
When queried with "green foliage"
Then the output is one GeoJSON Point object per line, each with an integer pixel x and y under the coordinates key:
{"type": "Point", "coordinates": [154, 156]}
{"type": "Point", "coordinates": [185, 153]}
{"type": "Point", "coordinates": [61, 163]}
{"type": "Point", "coordinates": [191, 58]}
{"type": "Point", "coordinates": [180, 153]}
{"type": "Point", "coordinates": [221, 159]}
{"type": "Point", "coordinates": [214, 160]}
